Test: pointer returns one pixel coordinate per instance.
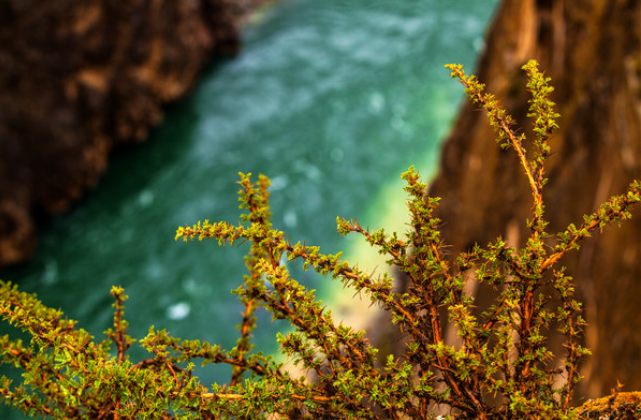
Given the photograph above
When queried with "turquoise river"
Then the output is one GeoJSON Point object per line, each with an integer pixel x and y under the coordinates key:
{"type": "Point", "coordinates": [331, 99]}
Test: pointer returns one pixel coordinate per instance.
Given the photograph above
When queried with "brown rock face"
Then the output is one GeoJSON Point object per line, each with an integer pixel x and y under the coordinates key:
{"type": "Point", "coordinates": [79, 77]}
{"type": "Point", "coordinates": [591, 49]}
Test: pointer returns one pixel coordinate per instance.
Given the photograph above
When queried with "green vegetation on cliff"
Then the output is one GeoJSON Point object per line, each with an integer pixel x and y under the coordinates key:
{"type": "Point", "coordinates": [499, 366]}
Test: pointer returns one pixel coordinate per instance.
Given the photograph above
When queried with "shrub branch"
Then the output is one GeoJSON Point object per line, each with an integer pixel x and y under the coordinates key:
{"type": "Point", "coordinates": [499, 366]}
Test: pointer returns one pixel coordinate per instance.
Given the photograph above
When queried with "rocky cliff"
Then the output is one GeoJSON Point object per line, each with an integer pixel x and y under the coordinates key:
{"type": "Point", "coordinates": [80, 77]}
{"type": "Point", "coordinates": [592, 51]}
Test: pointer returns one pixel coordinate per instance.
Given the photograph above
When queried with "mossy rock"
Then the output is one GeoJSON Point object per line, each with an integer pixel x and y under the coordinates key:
{"type": "Point", "coordinates": [623, 405]}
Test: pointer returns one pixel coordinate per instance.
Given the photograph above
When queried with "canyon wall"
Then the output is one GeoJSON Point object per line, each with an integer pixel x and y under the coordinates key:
{"type": "Point", "coordinates": [80, 77]}
{"type": "Point", "coordinates": [591, 49]}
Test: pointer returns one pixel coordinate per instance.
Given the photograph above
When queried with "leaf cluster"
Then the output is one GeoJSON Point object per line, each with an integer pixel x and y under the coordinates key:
{"type": "Point", "coordinates": [500, 366]}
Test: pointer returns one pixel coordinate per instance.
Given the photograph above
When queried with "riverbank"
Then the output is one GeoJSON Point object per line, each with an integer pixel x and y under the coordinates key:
{"type": "Point", "coordinates": [79, 79]}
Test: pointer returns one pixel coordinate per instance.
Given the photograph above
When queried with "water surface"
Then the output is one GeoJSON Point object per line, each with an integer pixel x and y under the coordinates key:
{"type": "Point", "coordinates": [331, 99]}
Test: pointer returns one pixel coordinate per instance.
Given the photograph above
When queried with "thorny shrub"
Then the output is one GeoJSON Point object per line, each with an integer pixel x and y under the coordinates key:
{"type": "Point", "coordinates": [500, 368]}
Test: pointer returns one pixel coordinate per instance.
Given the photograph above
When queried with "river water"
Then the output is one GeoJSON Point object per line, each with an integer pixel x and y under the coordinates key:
{"type": "Point", "coordinates": [332, 100]}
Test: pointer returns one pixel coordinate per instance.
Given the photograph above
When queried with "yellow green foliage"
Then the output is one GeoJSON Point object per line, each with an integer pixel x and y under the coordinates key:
{"type": "Point", "coordinates": [501, 367]}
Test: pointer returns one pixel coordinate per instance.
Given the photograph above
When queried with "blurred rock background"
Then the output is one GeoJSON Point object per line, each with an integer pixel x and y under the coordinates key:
{"type": "Point", "coordinates": [592, 51]}
{"type": "Point", "coordinates": [78, 79]}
